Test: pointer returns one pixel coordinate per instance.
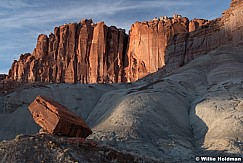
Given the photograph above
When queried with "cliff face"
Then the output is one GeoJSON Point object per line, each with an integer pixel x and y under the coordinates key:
{"type": "Point", "coordinates": [94, 53]}
{"type": "Point", "coordinates": [228, 29]}
{"type": "Point", "coordinates": [233, 21]}
{"type": "Point", "coordinates": [80, 52]}
{"type": "Point", "coordinates": [148, 41]}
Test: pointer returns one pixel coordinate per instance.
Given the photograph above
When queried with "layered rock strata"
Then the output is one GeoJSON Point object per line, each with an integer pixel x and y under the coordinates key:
{"type": "Point", "coordinates": [228, 29]}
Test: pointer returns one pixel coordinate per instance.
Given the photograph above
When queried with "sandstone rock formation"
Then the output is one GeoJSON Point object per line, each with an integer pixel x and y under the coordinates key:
{"type": "Point", "coordinates": [94, 53]}
{"type": "Point", "coordinates": [147, 44]}
{"type": "Point", "coordinates": [196, 23]}
{"type": "Point", "coordinates": [57, 119]}
{"type": "Point", "coordinates": [79, 52]}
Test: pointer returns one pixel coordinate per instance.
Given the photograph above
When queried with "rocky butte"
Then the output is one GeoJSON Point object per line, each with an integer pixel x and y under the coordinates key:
{"type": "Point", "coordinates": [86, 52]}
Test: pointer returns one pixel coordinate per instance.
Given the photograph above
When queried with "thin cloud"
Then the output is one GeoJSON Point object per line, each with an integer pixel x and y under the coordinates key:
{"type": "Point", "coordinates": [45, 15]}
{"type": "Point", "coordinates": [15, 4]}
{"type": "Point", "coordinates": [152, 4]}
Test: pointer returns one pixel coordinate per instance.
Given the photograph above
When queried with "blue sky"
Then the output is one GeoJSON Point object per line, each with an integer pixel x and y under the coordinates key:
{"type": "Point", "coordinates": [21, 21]}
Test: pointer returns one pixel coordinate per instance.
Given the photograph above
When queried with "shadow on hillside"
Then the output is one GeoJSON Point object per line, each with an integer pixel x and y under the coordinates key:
{"type": "Point", "coordinates": [199, 131]}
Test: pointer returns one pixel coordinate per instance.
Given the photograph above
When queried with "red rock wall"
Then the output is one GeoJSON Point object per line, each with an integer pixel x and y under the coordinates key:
{"type": "Point", "coordinates": [79, 52]}
{"type": "Point", "coordinates": [94, 53]}
{"type": "Point", "coordinates": [147, 44]}
{"type": "Point", "coordinates": [233, 22]}
{"type": "Point", "coordinates": [183, 48]}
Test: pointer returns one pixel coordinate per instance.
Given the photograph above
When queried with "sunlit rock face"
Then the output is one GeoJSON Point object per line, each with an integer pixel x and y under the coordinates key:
{"type": "Point", "coordinates": [79, 52]}
{"type": "Point", "coordinates": [147, 44]}
{"type": "Point", "coordinates": [94, 53]}
{"type": "Point", "coordinates": [197, 23]}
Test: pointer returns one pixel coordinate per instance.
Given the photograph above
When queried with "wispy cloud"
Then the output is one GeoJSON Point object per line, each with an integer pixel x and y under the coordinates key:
{"type": "Point", "coordinates": [15, 4]}
{"type": "Point", "coordinates": [75, 10]}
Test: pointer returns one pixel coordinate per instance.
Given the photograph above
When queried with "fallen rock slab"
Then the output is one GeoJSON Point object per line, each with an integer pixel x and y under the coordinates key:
{"type": "Point", "coordinates": [57, 119]}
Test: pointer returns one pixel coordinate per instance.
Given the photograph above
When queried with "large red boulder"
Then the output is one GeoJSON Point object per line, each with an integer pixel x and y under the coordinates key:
{"type": "Point", "coordinates": [57, 119]}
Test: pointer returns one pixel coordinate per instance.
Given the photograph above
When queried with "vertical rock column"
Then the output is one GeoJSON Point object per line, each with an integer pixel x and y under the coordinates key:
{"type": "Point", "coordinates": [70, 61]}
{"type": "Point", "coordinates": [85, 33]}
{"type": "Point", "coordinates": [97, 53]}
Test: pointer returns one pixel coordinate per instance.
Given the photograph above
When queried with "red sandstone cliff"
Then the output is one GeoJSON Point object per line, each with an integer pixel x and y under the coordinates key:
{"type": "Point", "coordinates": [94, 53]}
{"type": "Point", "coordinates": [148, 41]}
{"type": "Point", "coordinates": [79, 52]}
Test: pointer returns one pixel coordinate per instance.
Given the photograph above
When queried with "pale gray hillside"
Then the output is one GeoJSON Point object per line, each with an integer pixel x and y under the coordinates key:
{"type": "Point", "coordinates": [194, 110]}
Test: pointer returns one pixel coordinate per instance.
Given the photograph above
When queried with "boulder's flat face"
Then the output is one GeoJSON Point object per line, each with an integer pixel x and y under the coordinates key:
{"type": "Point", "coordinates": [57, 119]}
